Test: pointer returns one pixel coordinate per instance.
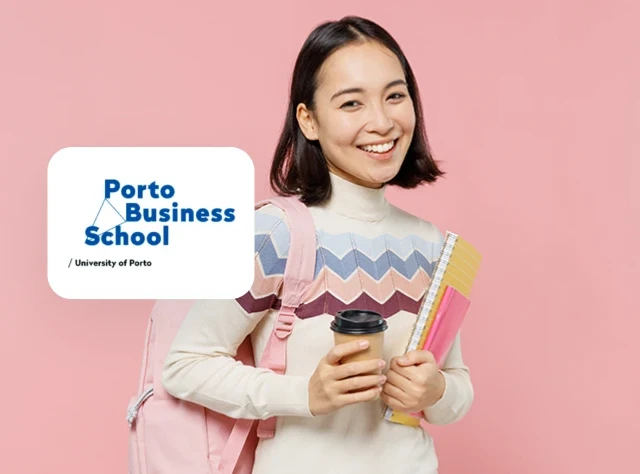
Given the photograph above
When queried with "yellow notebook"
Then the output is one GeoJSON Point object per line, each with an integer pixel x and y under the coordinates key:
{"type": "Point", "coordinates": [457, 267]}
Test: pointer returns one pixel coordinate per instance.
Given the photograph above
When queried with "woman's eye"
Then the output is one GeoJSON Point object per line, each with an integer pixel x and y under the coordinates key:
{"type": "Point", "coordinates": [350, 104]}
{"type": "Point", "coordinates": [396, 96]}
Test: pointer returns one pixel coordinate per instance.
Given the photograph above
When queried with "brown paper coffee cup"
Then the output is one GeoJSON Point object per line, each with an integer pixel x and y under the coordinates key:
{"type": "Point", "coordinates": [355, 324]}
{"type": "Point", "coordinates": [374, 351]}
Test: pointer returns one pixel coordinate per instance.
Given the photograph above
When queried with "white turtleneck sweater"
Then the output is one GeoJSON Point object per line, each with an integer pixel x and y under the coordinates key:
{"type": "Point", "coordinates": [371, 255]}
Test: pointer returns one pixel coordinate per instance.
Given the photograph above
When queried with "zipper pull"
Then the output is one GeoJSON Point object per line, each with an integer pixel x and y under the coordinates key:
{"type": "Point", "coordinates": [132, 411]}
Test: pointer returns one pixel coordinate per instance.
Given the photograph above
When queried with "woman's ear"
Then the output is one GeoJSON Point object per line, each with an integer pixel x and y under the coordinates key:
{"type": "Point", "coordinates": [307, 122]}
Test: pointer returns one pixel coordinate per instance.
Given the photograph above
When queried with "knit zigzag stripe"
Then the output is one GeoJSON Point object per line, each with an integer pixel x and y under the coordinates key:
{"type": "Point", "coordinates": [274, 264]}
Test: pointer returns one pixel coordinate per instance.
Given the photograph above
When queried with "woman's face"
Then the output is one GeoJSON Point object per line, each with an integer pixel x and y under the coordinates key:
{"type": "Point", "coordinates": [363, 116]}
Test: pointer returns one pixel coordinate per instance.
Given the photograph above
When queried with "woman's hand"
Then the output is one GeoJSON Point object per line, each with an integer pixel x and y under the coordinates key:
{"type": "Point", "coordinates": [334, 386]}
{"type": "Point", "coordinates": [414, 382]}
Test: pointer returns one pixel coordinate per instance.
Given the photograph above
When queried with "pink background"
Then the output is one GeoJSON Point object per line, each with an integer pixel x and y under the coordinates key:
{"type": "Point", "coordinates": [532, 106]}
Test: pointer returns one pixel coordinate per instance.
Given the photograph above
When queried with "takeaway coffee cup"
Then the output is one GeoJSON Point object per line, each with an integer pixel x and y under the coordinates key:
{"type": "Point", "coordinates": [357, 324]}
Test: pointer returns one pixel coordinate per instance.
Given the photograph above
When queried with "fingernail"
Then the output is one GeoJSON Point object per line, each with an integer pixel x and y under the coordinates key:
{"type": "Point", "coordinates": [402, 360]}
{"type": "Point", "coordinates": [364, 343]}
{"type": "Point", "coordinates": [381, 364]}
{"type": "Point", "coordinates": [383, 379]}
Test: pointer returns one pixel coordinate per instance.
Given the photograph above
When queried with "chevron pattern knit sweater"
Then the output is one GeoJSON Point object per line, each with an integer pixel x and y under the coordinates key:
{"type": "Point", "coordinates": [371, 255]}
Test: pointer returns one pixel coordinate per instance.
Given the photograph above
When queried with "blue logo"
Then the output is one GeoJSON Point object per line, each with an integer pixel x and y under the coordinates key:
{"type": "Point", "coordinates": [167, 211]}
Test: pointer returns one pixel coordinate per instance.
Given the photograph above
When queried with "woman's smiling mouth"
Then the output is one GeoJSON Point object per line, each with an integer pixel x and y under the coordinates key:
{"type": "Point", "coordinates": [380, 151]}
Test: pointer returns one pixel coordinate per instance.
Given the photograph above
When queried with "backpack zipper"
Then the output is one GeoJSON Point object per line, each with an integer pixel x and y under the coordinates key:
{"type": "Point", "coordinates": [132, 411]}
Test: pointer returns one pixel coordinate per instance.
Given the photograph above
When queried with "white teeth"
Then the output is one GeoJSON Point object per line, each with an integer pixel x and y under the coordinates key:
{"type": "Point", "coordinates": [378, 148]}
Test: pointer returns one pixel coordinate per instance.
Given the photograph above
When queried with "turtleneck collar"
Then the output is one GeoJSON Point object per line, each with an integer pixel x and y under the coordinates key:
{"type": "Point", "coordinates": [356, 201]}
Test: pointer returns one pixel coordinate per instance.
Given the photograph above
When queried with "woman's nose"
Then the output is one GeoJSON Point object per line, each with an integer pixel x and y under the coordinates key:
{"type": "Point", "coordinates": [379, 122]}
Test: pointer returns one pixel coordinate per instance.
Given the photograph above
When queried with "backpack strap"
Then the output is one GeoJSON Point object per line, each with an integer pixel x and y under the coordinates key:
{"type": "Point", "coordinates": [298, 276]}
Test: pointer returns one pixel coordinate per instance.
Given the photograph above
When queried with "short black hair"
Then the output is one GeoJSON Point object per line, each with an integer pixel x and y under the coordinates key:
{"type": "Point", "coordinates": [298, 166]}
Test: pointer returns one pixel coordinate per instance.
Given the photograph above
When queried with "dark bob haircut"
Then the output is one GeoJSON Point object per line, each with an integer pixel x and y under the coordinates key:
{"type": "Point", "coordinates": [299, 167]}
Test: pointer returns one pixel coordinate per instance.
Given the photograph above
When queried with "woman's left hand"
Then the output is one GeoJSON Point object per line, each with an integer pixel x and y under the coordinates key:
{"type": "Point", "coordinates": [414, 382]}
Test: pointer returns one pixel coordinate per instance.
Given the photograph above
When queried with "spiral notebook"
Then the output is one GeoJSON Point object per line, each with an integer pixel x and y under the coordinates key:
{"type": "Point", "coordinates": [443, 308]}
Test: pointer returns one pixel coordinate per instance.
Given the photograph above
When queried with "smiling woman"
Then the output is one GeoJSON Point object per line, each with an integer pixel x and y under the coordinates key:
{"type": "Point", "coordinates": [353, 126]}
{"type": "Point", "coordinates": [354, 111]}
{"type": "Point", "coordinates": [364, 131]}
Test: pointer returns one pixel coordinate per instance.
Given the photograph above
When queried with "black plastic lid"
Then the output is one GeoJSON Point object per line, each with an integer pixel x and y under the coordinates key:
{"type": "Point", "coordinates": [358, 321]}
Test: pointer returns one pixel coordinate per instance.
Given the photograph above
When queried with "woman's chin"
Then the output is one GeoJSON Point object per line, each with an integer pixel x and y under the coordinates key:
{"type": "Point", "coordinates": [370, 174]}
{"type": "Point", "coordinates": [383, 174]}
{"type": "Point", "coordinates": [378, 179]}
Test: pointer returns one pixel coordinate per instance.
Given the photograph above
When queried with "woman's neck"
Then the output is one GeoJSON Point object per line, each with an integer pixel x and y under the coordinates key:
{"type": "Point", "coordinates": [355, 200]}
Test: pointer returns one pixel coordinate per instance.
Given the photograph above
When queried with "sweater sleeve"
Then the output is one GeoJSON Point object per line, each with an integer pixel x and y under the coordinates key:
{"type": "Point", "coordinates": [200, 366]}
{"type": "Point", "coordinates": [458, 393]}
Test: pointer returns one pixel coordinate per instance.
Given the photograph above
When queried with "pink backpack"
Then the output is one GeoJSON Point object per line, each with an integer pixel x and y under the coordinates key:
{"type": "Point", "coordinates": [172, 436]}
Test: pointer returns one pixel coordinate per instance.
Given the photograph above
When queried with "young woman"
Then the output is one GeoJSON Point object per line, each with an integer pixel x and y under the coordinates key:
{"type": "Point", "coordinates": [354, 126]}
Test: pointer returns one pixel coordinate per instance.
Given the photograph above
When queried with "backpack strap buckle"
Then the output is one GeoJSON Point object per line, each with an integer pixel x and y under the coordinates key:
{"type": "Point", "coordinates": [286, 320]}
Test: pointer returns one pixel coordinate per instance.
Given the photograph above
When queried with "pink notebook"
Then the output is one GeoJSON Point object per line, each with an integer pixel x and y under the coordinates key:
{"type": "Point", "coordinates": [449, 316]}
{"type": "Point", "coordinates": [448, 319]}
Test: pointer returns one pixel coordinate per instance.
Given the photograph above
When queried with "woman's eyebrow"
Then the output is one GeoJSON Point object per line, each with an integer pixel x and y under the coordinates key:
{"type": "Point", "coordinates": [353, 90]}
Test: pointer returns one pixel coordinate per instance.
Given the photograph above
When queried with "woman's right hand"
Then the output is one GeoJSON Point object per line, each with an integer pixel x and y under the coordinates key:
{"type": "Point", "coordinates": [334, 385]}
